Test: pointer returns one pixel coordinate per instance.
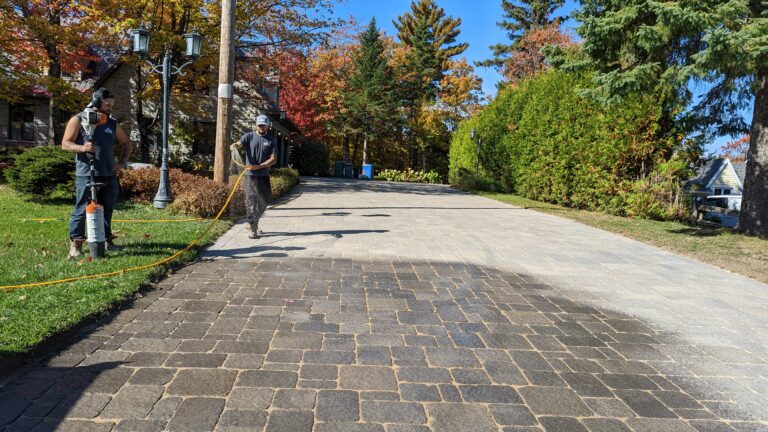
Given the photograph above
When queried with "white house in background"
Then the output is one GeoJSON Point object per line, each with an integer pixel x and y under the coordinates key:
{"type": "Point", "coordinates": [719, 177]}
{"type": "Point", "coordinates": [720, 183]}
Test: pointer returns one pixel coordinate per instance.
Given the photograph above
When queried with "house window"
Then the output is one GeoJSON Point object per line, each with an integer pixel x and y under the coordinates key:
{"type": "Point", "coordinates": [22, 122]}
{"type": "Point", "coordinates": [718, 191]}
{"type": "Point", "coordinates": [726, 191]}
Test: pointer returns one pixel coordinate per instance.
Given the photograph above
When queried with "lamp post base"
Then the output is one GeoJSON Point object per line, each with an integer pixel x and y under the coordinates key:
{"type": "Point", "coordinates": [163, 197]}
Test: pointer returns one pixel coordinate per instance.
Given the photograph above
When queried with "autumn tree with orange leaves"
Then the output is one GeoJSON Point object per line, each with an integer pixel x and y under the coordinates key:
{"type": "Point", "coordinates": [43, 41]}
{"type": "Point", "coordinates": [736, 150]}
{"type": "Point", "coordinates": [528, 59]}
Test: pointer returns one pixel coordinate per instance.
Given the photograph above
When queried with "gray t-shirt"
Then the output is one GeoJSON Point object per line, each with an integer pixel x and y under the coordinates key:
{"type": "Point", "coordinates": [258, 148]}
{"type": "Point", "coordinates": [104, 145]}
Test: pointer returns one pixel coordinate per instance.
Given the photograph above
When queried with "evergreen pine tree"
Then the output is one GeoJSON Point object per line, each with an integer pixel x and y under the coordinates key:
{"type": "Point", "coordinates": [441, 30]}
{"type": "Point", "coordinates": [371, 104]}
{"type": "Point", "coordinates": [660, 47]}
{"type": "Point", "coordinates": [519, 17]}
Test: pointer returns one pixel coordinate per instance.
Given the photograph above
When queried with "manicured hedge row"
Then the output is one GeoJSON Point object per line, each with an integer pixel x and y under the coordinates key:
{"type": "Point", "coordinates": [542, 140]}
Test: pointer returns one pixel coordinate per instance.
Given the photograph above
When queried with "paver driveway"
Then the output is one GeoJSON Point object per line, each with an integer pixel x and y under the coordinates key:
{"type": "Point", "coordinates": [389, 307]}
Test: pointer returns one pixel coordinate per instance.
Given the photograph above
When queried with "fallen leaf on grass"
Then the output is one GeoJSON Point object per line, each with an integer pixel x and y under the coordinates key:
{"type": "Point", "coordinates": [22, 298]}
{"type": "Point", "coordinates": [147, 235]}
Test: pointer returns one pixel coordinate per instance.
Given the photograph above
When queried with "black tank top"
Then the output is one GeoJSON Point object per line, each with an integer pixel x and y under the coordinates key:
{"type": "Point", "coordinates": [104, 145]}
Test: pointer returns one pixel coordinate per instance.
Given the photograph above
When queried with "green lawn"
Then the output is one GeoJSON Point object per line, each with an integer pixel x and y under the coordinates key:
{"type": "Point", "coordinates": [32, 251]}
{"type": "Point", "coordinates": [720, 247]}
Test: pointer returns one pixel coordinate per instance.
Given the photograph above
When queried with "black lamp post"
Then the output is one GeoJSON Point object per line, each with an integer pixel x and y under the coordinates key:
{"type": "Point", "coordinates": [141, 47]}
{"type": "Point", "coordinates": [479, 143]}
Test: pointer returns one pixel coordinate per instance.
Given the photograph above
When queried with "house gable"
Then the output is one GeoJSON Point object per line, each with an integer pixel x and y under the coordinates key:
{"type": "Point", "coordinates": [726, 178]}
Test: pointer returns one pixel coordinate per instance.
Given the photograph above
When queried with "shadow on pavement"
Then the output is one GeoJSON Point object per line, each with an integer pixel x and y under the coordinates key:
{"type": "Point", "coordinates": [506, 348]}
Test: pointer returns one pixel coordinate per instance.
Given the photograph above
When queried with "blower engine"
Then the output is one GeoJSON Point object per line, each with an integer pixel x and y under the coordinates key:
{"type": "Point", "coordinates": [94, 221]}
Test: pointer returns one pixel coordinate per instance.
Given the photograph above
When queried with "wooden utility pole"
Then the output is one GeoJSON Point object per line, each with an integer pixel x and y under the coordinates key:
{"type": "Point", "coordinates": [226, 78]}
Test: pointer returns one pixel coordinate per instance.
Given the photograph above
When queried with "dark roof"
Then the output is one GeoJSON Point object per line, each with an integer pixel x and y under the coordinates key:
{"type": "Point", "coordinates": [741, 170]}
{"type": "Point", "coordinates": [706, 171]}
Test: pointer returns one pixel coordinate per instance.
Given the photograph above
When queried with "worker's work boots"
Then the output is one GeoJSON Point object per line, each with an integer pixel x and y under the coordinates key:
{"type": "Point", "coordinates": [75, 248]}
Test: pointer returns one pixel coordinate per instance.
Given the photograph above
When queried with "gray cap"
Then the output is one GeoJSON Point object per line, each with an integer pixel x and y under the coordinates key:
{"type": "Point", "coordinates": [262, 120]}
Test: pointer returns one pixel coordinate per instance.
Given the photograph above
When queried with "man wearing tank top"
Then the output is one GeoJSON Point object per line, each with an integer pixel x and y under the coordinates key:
{"type": "Point", "coordinates": [102, 148]}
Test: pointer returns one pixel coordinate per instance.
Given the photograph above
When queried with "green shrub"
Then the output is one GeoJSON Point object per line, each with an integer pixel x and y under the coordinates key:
{"type": "Point", "coordinates": [283, 180]}
{"type": "Point", "coordinates": [313, 159]}
{"type": "Point", "coordinates": [43, 172]}
{"type": "Point", "coordinates": [409, 176]}
{"type": "Point", "coordinates": [469, 182]}
{"type": "Point", "coordinates": [6, 159]}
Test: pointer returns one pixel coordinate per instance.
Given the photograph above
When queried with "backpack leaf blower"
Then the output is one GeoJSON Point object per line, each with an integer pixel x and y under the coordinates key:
{"type": "Point", "coordinates": [94, 220]}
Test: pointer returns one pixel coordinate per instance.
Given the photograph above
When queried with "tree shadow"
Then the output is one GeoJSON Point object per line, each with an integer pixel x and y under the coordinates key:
{"type": "Point", "coordinates": [333, 233]}
{"type": "Point", "coordinates": [700, 231]}
{"type": "Point", "coordinates": [251, 252]}
{"type": "Point", "coordinates": [340, 213]}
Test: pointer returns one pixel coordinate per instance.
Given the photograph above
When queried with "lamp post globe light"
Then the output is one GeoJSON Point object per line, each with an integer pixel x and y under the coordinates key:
{"type": "Point", "coordinates": [141, 48]}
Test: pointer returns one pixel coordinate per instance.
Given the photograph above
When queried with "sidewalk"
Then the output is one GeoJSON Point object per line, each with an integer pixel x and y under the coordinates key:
{"type": "Point", "coordinates": [373, 306]}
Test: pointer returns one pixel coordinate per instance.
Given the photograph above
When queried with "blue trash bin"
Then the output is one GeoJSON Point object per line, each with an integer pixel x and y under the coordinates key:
{"type": "Point", "coordinates": [367, 171]}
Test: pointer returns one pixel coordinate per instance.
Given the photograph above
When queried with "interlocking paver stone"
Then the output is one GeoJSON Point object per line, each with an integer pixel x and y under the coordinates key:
{"type": "Point", "coordinates": [133, 402]}
{"type": "Point", "coordinates": [338, 406]}
{"type": "Point", "coordinates": [489, 394]}
{"type": "Point", "coordinates": [196, 414]}
{"type": "Point", "coordinates": [451, 357]}
{"type": "Point", "coordinates": [134, 425]}
{"type": "Point", "coordinates": [348, 427]}
{"type": "Point", "coordinates": [420, 392]}
{"type": "Point", "coordinates": [562, 424]}
{"type": "Point", "coordinates": [367, 378]}
{"type": "Point", "coordinates": [644, 404]}
{"type": "Point", "coordinates": [242, 420]}
{"type": "Point", "coordinates": [294, 399]}
{"type": "Point", "coordinates": [392, 412]}
{"type": "Point", "coordinates": [290, 421]}
{"type": "Point", "coordinates": [202, 382]}
{"type": "Point", "coordinates": [554, 401]}
{"type": "Point", "coordinates": [267, 378]}
{"type": "Point", "coordinates": [460, 417]}
{"type": "Point", "coordinates": [248, 398]}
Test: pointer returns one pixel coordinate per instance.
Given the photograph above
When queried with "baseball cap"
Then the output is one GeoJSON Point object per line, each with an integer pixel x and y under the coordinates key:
{"type": "Point", "coordinates": [262, 120]}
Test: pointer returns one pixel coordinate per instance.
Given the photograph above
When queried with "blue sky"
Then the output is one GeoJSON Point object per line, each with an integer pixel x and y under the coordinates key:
{"type": "Point", "coordinates": [478, 28]}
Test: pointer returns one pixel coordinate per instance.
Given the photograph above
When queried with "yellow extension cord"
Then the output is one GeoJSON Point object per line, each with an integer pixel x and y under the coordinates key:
{"type": "Point", "coordinates": [155, 264]}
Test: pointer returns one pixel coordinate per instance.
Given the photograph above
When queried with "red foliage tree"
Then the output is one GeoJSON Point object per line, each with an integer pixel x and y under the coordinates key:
{"type": "Point", "coordinates": [528, 59]}
{"type": "Point", "coordinates": [736, 150]}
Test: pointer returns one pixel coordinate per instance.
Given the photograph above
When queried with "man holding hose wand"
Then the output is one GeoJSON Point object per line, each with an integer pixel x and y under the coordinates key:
{"type": "Point", "coordinates": [259, 156]}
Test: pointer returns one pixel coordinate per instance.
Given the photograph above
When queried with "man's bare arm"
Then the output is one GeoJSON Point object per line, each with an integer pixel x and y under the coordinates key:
{"type": "Point", "coordinates": [70, 135]}
{"type": "Point", "coordinates": [125, 145]}
{"type": "Point", "coordinates": [266, 164]}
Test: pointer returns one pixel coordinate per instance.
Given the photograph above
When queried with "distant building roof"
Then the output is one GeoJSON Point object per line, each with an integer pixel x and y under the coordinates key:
{"type": "Point", "coordinates": [704, 172]}
{"type": "Point", "coordinates": [709, 168]}
{"type": "Point", "coordinates": [741, 170]}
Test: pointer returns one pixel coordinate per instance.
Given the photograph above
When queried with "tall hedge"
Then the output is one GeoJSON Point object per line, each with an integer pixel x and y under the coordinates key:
{"type": "Point", "coordinates": [542, 140]}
